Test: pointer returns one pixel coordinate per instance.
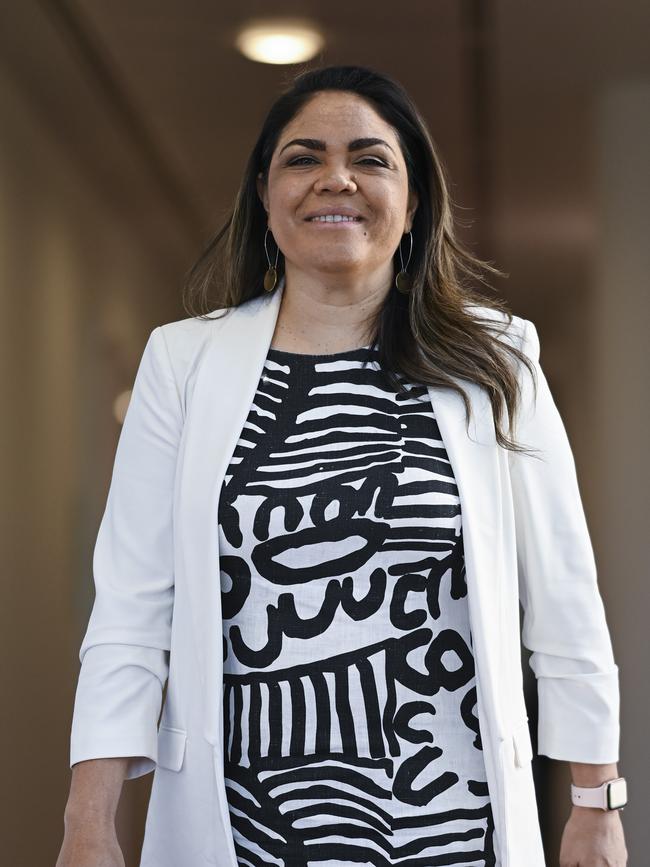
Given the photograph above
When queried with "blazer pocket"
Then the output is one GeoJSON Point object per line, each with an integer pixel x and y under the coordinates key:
{"type": "Point", "coordinates": [171, 747]}
{"type": "Point", "coordinates": [523, 748]}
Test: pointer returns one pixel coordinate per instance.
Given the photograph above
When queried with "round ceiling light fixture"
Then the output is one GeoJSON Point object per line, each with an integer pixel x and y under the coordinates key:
{"type": "Point", "coordinates": [279, 41]}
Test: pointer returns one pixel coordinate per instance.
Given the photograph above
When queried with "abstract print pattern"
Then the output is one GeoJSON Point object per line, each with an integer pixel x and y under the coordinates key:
{"type": "Point", "coordinates": [350, 721]}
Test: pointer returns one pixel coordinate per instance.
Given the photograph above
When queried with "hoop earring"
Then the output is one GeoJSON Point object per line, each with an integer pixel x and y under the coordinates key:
{"type": "Point", "coordinates": [403, 280]}
{"type": "Point", "coordinates": [271, 276]}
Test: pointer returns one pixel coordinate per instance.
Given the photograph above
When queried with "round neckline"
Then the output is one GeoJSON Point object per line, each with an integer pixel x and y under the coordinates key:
{"type": "Point", "coordinates": [309, 355]}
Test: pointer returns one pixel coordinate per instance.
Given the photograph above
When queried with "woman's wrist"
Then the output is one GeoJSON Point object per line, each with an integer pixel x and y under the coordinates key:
{"type": "Point", "coordinates": [593, 815]}
{"type": "Point", "coordinates": [590, 775]}
{"type": "Point", "coordinates": [81, 817]}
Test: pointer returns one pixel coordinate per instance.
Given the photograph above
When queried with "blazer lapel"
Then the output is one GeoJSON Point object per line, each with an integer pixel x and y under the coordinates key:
{"type": "Point", "coordinates": [475, 460]}
{"type": "Point", "coordinates": [224, 389]}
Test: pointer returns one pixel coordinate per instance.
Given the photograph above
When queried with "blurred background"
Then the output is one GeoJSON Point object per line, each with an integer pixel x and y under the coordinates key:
{"type": "Point", "coordinates": [124, 128]}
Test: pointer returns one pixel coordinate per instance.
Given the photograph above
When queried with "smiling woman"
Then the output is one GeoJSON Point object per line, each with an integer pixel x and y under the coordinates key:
{"type": "Point", "coordinates": [304, 537]}
{"type": "Point", "coordinates": [348, 141]}
{"type": "Point", "coordinates": [346, 175]}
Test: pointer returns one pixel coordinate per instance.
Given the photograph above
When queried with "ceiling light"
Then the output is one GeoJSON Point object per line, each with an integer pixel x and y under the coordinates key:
{"type": "Point", "coordinates": [279, 41]}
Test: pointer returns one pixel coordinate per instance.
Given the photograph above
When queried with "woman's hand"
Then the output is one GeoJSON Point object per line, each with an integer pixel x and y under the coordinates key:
{"type": "Point", "coordinates": [85, 846]}
{"type": "Point", "coordinates": [593, 838]}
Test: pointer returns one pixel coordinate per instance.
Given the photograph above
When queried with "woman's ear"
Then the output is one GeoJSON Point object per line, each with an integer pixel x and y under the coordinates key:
{"type": "Point", "coordinates": [262, 191]}
{"type": "Point", "coordinates": [413, 202]}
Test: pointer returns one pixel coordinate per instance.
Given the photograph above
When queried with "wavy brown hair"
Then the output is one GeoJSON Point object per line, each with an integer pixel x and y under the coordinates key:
{"type": "Point", "coordinates": [427, 336]}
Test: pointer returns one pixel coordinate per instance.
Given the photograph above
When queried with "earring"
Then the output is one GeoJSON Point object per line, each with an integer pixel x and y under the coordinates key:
{"type": "Point", "coordinates": [403, 280]}
{"type": "Point", "coordinates": [271, 276]}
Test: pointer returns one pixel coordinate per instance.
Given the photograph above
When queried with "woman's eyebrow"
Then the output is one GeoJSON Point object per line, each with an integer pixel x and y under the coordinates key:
{"type": "Point", "coordinates": [356, 144]}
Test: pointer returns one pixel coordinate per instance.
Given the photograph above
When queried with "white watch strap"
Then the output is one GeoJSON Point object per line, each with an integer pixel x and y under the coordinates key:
{"type": "Point", "coordinates": [611, 795]}
{"type": "Point", "coordinates": [592, 796]}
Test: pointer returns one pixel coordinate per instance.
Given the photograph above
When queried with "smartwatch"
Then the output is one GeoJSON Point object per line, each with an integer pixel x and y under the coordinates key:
{"type": "Point", "coordinates": [612, 795]}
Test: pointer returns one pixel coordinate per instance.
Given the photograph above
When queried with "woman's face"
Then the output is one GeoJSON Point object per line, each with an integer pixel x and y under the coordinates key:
{"type": "Point", "coordinates": [369, 181]}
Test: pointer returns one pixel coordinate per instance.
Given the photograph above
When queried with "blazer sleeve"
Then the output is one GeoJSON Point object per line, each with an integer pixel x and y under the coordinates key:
{"type": "Point", "coordinates": [124, 654]}
{"type": "Point", "coordinates": [564, 623]}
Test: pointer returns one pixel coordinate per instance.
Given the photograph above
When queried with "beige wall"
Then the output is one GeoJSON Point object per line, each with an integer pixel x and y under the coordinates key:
{"type": "Point", "coordinates": [621, 419]}
{"type": "Point", "coordinates": [79, 294]}
{"type": "Point", "coordinates": [598, 365]}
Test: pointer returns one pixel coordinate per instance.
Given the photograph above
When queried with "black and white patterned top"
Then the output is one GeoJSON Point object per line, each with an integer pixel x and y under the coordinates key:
{"type": "Point", "coordinates": [350, 725]}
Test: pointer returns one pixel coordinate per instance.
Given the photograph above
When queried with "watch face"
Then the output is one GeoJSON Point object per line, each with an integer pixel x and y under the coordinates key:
{"type": "Point", "coordinates": [617, 794]}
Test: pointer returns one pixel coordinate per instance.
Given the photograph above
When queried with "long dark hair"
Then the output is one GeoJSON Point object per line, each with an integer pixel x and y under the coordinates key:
{"type": "Point", "coordinates": [428, 335]}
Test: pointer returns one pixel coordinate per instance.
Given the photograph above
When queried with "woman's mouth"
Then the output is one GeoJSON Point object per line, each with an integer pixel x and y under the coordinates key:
{"type": "Point", "coordinates": [335, 220]}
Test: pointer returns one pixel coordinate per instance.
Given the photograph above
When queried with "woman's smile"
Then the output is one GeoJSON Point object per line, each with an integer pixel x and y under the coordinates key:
{"type": "Point", "coordinates": [333, 222]}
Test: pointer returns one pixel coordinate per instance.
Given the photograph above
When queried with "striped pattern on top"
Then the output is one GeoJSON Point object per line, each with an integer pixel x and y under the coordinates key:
{"type": "Point", "coordinates": [351, 730]}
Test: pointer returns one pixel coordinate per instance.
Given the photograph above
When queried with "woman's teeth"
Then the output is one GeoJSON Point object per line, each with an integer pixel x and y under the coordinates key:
{"type": "Point", "coordinates": [334, 218]}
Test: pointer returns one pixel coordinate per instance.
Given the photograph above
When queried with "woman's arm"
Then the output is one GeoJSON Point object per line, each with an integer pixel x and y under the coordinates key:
{"type": "Point", "coordinates": [90, 839]}
{"type": "Point", "coordinates": [564, 623]}
{"type": "Point", "coordinates": [95, 791]}
{"type": "Point", "coordinates": [125, 651]}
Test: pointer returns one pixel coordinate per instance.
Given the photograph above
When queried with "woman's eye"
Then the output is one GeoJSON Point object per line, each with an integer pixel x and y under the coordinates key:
{"type": "Point", "coordinates": [371, 160]}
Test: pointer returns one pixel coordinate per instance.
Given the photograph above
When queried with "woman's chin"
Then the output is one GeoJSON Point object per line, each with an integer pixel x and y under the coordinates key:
{"type": "Point", "coordinates": [335, 265]}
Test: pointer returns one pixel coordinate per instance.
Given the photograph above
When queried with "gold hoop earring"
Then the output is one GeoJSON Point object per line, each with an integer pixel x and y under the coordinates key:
{"type": "Point", "coordinates": [403, 280]}
{"type": "Point", "coordinates": [271, 276]}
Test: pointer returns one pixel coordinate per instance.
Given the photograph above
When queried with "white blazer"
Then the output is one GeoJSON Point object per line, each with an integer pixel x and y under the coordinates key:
{"type": "Point", "coordinates": [157, 610]}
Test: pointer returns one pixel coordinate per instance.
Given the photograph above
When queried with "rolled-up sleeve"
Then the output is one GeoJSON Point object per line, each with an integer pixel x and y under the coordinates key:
{"type": "Point", "coordinates": [564, 623]}
{"type": "Point", "coordinates": [124, 654]}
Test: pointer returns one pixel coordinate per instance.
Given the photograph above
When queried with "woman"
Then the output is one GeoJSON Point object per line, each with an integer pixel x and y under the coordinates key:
{"type": "Point", "coordinates": [307, 535]}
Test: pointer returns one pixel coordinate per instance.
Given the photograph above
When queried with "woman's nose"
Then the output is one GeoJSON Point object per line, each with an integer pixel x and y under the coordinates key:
{"type": "Point", "coordinates": [334, 181]}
